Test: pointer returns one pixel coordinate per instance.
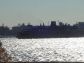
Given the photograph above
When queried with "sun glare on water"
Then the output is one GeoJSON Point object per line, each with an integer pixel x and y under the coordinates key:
{"type": "Point", "coordinates": [54, 49]}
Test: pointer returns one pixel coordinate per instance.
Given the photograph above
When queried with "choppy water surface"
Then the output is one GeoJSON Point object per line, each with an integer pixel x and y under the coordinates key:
{"type": "Point", "coordinates": [54, 49]}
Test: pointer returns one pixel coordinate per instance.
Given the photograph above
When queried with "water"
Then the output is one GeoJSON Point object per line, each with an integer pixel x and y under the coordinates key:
{"type": "Point", "coordinates": [54, 49]}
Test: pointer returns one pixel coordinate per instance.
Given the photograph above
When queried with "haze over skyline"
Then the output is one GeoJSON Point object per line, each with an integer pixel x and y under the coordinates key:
{"type": "Point", "coordinates": [13, 12]}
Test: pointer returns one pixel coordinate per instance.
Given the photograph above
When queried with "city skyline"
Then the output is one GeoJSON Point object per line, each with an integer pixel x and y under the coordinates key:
{"type": "Point", "coordinates": [13, 12]}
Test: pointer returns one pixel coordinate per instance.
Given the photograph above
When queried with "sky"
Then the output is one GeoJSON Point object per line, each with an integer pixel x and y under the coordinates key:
{"type": "Point", "coordinates": [13, 12]}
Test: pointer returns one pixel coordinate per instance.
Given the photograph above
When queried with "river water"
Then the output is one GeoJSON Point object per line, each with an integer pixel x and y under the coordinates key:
{"type": "Point", "coordinates": [52, 49]}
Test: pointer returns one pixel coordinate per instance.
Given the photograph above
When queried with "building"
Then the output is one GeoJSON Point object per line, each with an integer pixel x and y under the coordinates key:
{"type": "Point", "coordinates": [80, 25]}
{"type": "Point", "coordinates": [53, 23]}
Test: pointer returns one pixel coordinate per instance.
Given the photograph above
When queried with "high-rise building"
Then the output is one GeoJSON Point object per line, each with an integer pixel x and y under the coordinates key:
{"type": "Point", "coordinates": [53, 23]}
{"type": "Point", "coordinates": [81, 25]}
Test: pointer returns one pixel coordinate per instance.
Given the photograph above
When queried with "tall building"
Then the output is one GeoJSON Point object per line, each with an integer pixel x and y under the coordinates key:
{"type": "Point", "coordinates": [81, 25]}
{"type": "Point", "coordinates": [53, 23]}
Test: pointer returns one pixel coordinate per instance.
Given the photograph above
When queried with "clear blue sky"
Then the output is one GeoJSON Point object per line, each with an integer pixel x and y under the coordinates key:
{"type": "Point", "coordinates": [13, 12]}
